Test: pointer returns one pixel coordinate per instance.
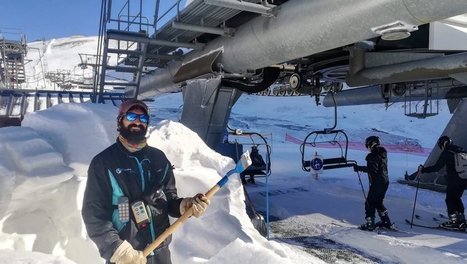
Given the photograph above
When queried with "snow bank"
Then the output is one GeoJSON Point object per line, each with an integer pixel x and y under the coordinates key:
{"type": "Point", "coordinates": [42, 214]}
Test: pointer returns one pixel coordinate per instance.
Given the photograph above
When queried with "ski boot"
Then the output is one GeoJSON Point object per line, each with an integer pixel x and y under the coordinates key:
{"type": "Point", "coordinates": [369, 225]}
{"type": "Point", "coordinates": [385, 221]}
{"type": "Point", "coordinates": [453, 223]}
{"type": "Point", "coordinates": [461, 221]}
{"type": "Point", "coordinates": [252, 179]}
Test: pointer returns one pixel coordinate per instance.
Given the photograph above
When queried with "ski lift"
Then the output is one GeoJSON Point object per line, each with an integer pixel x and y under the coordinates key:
{"type": "Point", "coordinates": [328, 138]}
{"type": "Point", "coordinates": [234, 142]}
{"type": "Point", "coordinates": [232, 146]}
{"type": "Point", "coordinates": [336, 139]}
{"type": "Point", "coordinates": [258, 144]}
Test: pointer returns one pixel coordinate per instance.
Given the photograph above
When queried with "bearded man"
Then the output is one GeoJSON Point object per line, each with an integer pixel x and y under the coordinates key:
{"type": "Point", "coordinates": [130, 193]}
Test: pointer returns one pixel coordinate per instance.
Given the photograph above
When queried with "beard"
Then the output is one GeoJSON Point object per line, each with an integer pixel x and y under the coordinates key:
{"type": "Point", "coordinates": [134, 137]}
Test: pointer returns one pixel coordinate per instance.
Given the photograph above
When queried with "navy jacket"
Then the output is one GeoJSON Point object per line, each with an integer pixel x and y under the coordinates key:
{"type": "Point", "coordinates": [142, 175]}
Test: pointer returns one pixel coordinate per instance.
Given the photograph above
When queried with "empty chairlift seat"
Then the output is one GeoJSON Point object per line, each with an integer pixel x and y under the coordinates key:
{"type": "Point", "coordinates": [329, 139]}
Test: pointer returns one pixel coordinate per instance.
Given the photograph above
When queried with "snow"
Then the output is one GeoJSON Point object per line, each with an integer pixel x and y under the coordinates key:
{"type": "Point", "coordinates": [42, 213]}
{"type": "Point", "coordinates": [44, 166]}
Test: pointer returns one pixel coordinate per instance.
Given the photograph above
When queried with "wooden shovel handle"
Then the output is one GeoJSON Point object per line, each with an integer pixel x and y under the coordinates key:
{"type": "Point", "coordinates": [188, 213]}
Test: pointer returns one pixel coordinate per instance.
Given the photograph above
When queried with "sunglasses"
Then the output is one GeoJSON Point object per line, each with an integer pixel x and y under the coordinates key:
{"type": "Point", "coordinates": [143, 118]}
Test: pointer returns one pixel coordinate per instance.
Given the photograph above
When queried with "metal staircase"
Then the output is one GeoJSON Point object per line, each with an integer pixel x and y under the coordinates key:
{"type": "Point", "coordinates": [134, 63]}
{"type": "Point", "coordinates": [12, 53]}
{"type": "Point", "coordinates": [141, 46]}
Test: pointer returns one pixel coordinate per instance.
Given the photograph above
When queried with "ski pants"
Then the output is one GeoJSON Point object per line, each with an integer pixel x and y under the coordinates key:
{"type": "Point", "coordinates": [454, 191]}
{"type": "Point", "coordinates": [374, 200]}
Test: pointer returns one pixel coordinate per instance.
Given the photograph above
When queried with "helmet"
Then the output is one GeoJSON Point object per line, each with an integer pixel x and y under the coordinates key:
{"type": "Point", "coordinates": [371, 141]}
{"type": "Point", "coordinates": [443, 141]}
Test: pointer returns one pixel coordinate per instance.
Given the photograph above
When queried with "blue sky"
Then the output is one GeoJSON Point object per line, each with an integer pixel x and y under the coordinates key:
{"type": "Point", "coordinates": [50, 18]}
{"type": "Point", "coordinates": [47, 19]}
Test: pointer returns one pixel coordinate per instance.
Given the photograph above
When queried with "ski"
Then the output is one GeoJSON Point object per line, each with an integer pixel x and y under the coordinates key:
{"type": "Point", "coordinates": [421, 225]}
{"type": "Point", "coordinates": [436, 219]}
{"type": "Point", "coordinates": [382, 230]}
{"type": "Point", "coordinates": [433, 227]}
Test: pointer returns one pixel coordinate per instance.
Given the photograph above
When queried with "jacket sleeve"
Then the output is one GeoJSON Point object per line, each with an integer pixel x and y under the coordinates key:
{"type": "Point", "coordinates": [440, 163]}
{"type": "Point", "coordinates": [170, 191]}
{"type": "Point", "coordinates": [361, 168]}
{"type": "Point", "coordinates": [97, 210]}
{"type": "Point", "coordinates": [372, 165]}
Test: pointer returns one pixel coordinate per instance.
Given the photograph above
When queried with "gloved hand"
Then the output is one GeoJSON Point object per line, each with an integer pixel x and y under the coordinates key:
{"type": "Point", "coordinates": [420, 168]}
{"type": "Point", "coordinates": [356, 168]}
{"type": "Point", "coordinates": [125, 254]}
{"type": "Point", "coordinates": [199, 203]}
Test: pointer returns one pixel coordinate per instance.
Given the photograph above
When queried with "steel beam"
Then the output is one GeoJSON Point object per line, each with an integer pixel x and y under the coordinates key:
{"type": "Point", "coordinates": [243, 6]}
{"type": "Point", "coordinates": [142, 39]}
{"type": "Point", "coordinates": [227, 32]}
{"type": "Point", "coordinates": [302, 27]}
{"type": "Point", "coordinates": [446, 89]}
{"type": "Point", "coordinates": [425, 69]}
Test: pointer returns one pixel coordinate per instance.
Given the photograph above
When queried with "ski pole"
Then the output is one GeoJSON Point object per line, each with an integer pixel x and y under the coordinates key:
{"type": "Point", "coordinates": [359, 178]}
{"type": "Point", "coordinates": [361, 184]}
{"type": "Point", "coordinates": [241, 165]}
{"type": "Point", "coordinates": [360, 181]}
{"type": "Point", "coordinates": [415, 200]}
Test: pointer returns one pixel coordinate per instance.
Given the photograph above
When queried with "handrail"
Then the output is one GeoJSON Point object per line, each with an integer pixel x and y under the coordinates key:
{"type": "Point", "coordinates": [18, 102]}
{"type": "Point", "coordinates": [169, 9]}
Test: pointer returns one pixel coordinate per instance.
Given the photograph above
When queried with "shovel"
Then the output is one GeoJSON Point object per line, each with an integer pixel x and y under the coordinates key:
{"type": "Point", "coordinates": [242, 164]}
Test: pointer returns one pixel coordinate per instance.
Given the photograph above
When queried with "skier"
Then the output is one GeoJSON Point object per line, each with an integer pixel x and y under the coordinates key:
{"type": "Point", "coordinates": [130, 193]}
{"type": "Point", "coordinates": [377, 169]}
{"type": "Point", "coordinates": [455, 185]}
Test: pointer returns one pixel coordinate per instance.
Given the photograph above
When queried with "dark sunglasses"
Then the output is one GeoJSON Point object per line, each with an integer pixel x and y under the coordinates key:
{"type": "Point", "coordinates": [143, 118]}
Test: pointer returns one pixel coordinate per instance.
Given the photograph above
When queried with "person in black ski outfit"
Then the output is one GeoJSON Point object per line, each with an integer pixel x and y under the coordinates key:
{"type": "Point", "coordinates": [455, 185]}
{"type": "Point", "coordinates": [377, 169]}
{"type": "Point", "coordinates": [130, 193]}
{"type": "Point", "coordinates": [257, 166]}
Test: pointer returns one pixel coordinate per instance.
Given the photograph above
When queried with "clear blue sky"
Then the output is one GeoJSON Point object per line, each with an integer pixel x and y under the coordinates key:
{"type": "Point", "coordinates": [48, 19]}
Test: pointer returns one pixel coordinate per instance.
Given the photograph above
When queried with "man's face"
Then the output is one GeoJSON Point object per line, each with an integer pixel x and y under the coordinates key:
{"type": "Point", "coordinates": [134, 131]}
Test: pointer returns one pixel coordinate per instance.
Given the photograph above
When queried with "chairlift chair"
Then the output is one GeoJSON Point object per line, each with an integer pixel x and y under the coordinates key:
{"type": "Point", "coordinates": [253, 141]}
{"type": "Point", "coordinates": [260, 166]}
{"type": "Point", "coordinates": [335, 134]}
{"type": "Point", "coordinates": [314, 140]}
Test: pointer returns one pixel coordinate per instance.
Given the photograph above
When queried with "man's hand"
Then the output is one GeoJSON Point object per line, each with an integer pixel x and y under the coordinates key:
{"type": "Point", "coordinates": [125, 254]}
{"type": "Point", "coordinates": [199, 203]}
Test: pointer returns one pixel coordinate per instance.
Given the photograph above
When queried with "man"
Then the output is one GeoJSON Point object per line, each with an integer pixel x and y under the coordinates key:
{"type": "Point", "coordinates": [455, 185]}
{"type": "Point", "coordinates": [130, 193]}
{"type": "Point", "coordinates": [377, 169]}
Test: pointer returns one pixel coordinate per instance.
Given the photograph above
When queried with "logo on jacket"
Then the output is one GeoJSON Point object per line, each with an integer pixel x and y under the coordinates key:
{"type": "Point", "coordinates": [120, 170]}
